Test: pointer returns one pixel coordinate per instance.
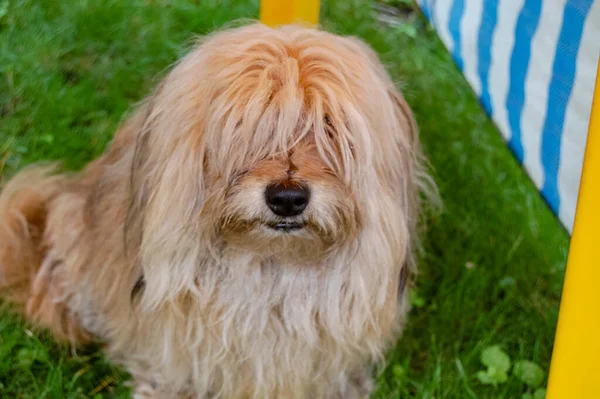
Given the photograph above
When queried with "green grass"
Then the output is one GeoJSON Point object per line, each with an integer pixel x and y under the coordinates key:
{"type": "Point", "coordinates": [494, 260]}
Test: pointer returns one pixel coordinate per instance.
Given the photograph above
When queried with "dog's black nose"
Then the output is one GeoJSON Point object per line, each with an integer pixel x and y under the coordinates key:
{"type": "Point", "coordinates": [287, 199]}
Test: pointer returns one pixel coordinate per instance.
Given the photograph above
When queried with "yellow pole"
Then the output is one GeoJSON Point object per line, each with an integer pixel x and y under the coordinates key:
{"type": "Point", "coordinates": [575, 368]}
{"type": "Point", "coordinates": [282, 12]}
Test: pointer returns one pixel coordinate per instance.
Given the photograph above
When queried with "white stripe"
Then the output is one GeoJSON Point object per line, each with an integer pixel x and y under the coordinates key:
{"type": "Point", "coordinates": [499, 78]}
{"type": "Point", "coordinates": [441, 14]}
{"type": "Point", "coordinates": [539, 74]}
{"type": "Point", "coordinates": [577, 117]}
{"type": "Point", "coordinates": [469, 33]}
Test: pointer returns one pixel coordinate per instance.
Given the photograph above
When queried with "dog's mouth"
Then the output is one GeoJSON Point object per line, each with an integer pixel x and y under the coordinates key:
{"type": "Point", "coordinates": [286, 226]}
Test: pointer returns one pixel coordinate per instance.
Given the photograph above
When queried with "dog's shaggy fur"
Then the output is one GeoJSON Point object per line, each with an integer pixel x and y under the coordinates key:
{"type": "Point", "coordinates": [164, 248]}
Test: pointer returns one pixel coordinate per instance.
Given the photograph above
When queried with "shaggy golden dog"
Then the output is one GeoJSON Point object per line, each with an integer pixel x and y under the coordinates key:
{"type": "Point", "coordinates": [249, 233]}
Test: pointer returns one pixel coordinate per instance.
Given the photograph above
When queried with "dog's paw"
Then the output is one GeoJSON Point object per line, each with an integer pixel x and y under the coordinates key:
{"type": "Point", "coordinates": [146, 390]}
{"type": "Point", "coordinates": [358, 386]}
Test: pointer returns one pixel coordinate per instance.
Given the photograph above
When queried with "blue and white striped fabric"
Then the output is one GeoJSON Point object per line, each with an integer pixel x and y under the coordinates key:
{"type": "Point", "coordinates": [532, 63]}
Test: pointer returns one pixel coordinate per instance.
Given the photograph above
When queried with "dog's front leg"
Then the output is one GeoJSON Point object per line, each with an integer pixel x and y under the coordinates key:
{"type": "Point", "coordinates": [148, 390]}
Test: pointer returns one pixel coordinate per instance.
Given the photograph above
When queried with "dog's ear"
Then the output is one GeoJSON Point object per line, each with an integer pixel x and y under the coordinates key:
{"type": "Point", "coordinates": [140, 126]}
{"type": "Point", "coordinates": [426, 186]}
{"type": "Point", "coordinates": [422, 193]}
{"type": "Point", "coordinates": [406, 136]}
{"type": "Point", "coordinates": [166, 187]}
{"type": "Point", "coordinates": [412, 175]}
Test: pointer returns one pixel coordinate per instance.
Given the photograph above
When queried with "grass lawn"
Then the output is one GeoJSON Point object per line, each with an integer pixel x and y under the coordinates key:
{"type": "Point", "coordinates": [493, 265]}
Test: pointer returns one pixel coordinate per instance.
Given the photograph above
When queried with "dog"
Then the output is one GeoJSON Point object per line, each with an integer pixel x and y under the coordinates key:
{"type": "Point", "coordinates": [249, 232]}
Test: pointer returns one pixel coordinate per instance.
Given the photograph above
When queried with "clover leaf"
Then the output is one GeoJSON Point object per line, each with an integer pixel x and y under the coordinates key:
{"type": "Point", "coordinates": [529, 372]}
{"type": "Point", "coordinates": [498, 364]}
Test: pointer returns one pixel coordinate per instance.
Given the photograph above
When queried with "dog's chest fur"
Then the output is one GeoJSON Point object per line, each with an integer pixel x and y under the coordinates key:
{"type": "Point", "coordinates": [258, 328]}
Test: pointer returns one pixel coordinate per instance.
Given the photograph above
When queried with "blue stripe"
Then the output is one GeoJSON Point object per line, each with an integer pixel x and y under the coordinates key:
{"type": "Point", "coordinates": [456, 14]}
{"type": "Point", "coordinates": [426, 11]}
{"type": "Point", "coordinates": [519, 64]}
{"type": "Point", "coordinates": [559, 92]}
{"type": "Point", "coordinates": [489, 19]}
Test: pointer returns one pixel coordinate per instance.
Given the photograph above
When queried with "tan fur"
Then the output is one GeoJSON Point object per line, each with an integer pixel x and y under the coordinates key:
{"type": "Point", "coordinates": [160, 248]}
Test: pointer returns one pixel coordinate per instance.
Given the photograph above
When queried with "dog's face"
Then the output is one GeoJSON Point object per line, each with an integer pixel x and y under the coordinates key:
{"type": "Point", "coordinates": [293, 201]}
{"type": "Point", "coordinates": [283, 142]}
